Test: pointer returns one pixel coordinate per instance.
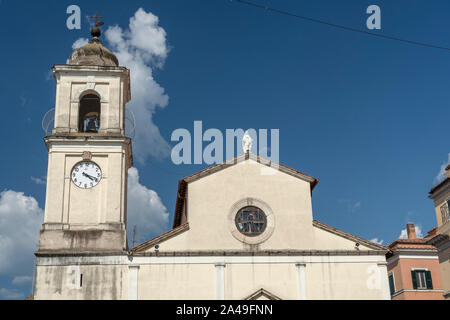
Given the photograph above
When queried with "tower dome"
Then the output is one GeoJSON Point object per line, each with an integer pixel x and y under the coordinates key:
{"type": "Point", "coordinates": [94, 53]}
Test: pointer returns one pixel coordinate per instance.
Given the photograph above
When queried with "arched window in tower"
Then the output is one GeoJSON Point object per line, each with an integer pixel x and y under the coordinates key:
{"type": "Point", "coordinates": [89, 114]}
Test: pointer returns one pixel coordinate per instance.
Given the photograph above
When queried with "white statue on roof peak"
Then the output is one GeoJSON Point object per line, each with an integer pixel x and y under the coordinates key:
{"type": "Point", "coordinates": [247, 142]}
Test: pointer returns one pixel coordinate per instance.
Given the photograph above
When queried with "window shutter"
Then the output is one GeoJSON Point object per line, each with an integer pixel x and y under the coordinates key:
{"type": "Point", "coordinates": [444, 213]}
{"type": "Point", "coordinates": [429, 280]}
{"type": "Point", "coordinates": [414, 279]}
{"type": "Point", "coordinates": [448, 210]}
{"type": "Point", "coordinates": [391, 284]}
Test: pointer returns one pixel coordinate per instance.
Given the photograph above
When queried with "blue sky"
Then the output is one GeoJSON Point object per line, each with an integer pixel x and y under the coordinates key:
{"type": "Point", "coordinates": [365, 115]}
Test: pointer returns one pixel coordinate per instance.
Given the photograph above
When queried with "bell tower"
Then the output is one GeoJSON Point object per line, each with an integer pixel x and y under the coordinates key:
{"type": "Point", "coordinates": [89, 155]}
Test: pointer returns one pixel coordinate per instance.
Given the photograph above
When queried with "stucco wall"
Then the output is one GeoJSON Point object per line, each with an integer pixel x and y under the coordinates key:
{"type": "Point", "coordinates": [177, 282]}
{"type": "Point", "coordinates": [401, 268]}
{"type": "Point", "coordinates": [444, 262]}
{"type": "Point", "coordinates": [439, 200]}
{"type": "Point", "coordinates": [198, 281]}
{"type": "Point", "coordinates": [210, 201]}
{"type": "Point", "coordinates": [193, 278]}
{"type": "Point", "coordinates": [70, 208]}
{"type": "Point", "coordinates": [100, 282]}
{"type": "Point", "coordinates": [73, 82]}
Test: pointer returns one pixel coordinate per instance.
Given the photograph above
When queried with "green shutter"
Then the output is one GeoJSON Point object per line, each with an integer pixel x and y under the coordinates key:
{"type": "Point", "coordinates": [414, 279]}
{"type": "Point", "coordinates": [391, 284]}
{"type": "Point", "coordinates": [429, 281]}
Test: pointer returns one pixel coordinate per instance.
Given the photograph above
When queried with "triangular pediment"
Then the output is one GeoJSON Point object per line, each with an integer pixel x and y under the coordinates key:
{"type": "Point", "coordinates": [262, 294]}
{"type": "Point", "coordinates": [182, 185]}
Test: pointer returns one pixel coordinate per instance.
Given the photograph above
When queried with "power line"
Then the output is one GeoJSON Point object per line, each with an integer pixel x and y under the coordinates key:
{"type": "Point", "coordinates": [256, 5]}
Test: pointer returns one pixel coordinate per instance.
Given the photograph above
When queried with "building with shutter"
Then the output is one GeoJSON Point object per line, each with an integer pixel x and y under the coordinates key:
{"type": "Point", "coordinates": [413, 268]}
{"type": "Point", "coordinates": [440, 194]}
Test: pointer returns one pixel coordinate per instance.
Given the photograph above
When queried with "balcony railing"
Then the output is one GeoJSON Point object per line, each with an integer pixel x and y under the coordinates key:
{"type": "Point", "coordinates": [48, 122]}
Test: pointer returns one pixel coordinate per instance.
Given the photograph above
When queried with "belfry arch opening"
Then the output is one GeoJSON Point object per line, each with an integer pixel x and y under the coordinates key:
{"type": "Point", "coordinates": [89, 114]}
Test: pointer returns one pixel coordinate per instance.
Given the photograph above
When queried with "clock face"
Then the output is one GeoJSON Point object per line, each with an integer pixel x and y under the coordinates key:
{"type": "Point", "coordinates": [86, 174]}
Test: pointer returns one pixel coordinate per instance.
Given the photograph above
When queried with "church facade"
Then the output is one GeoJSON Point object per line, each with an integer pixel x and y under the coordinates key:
{"type": "Point", "coordinates": [242, 230]}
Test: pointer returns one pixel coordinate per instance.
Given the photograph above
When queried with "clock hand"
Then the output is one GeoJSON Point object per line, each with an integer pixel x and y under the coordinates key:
{"type": "Point", "coordinates": [88, 176]}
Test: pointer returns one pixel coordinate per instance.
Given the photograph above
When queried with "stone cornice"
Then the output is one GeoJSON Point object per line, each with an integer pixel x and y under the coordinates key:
{"type": "Point", "coordinates": [216, 253]}
{"type": "Point", "coordinates": [261, 253]}
{"type": "Point", "coordinates": [72, 68]}
{"type": "Point", "coordinates": [62, 254]}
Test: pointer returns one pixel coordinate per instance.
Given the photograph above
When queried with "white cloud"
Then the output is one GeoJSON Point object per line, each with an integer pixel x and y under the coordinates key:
{"type": "Point", "coordinates": [145, 210]}
{"type": "Point", "coordinates": [356, 206]}
{"type": "Point", "coordinates": [351, 205]}
{"type": "Point", "coordinates": [377, 241]}
{"type": "Point", "coordinates": [11, 294]}
{"type": "Point", "coordinates": [49, 75]}
{"type": "Point", "coordinates": [142, 48]}
{"type": "Point", "coordinates": [404, 233]}
{"type": "Point", "coordinates": [38, 181]}
{"type": "Point", "coordinates": [20, 222]}
{"type": "Point", "coordinates": [21, 280]}
{"type": "Point", "coordinates": [419, 233]}
{"type": "Point", "coordinates": [23, 100]}
{"type": "Point", "coordinates": [80, 43]}
{"type": "Point", "coordinates": [440, 175]}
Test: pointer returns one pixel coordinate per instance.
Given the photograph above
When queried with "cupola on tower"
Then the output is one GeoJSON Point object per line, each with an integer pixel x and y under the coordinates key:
{"type": "Point", "coordinates": [89, 155]}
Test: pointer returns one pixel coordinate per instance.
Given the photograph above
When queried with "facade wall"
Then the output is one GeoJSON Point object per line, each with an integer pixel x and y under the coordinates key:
{"type": "Point", "coordinates": [440, 197]}
{"type": "Point", "coordinates": [210, 201]}
{"type": "Point", "coordinates": [401, 269]}
{"type": "Point", "coordinates": [211, 198]}
{"type": "Point", "coordinates": [444, 263]}
{"type": "Point", "coordinates": [99, 282]}
{"type": "Point", "coordinates": [106, 203]}
{"type": "Point", "coordinates": [74, 82]}
{"type": "Point", "coordinates": [419, 295]}
{"type": "Point", "coordinates": [439, 201]}
{"type": "Point", "coordinates": [177, 282]}
{"type": "Point", "coordinates": [193, 278]}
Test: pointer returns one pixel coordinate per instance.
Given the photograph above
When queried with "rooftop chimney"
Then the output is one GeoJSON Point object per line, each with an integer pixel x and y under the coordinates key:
{"type": "Point", "coordinates": [411, 229]}
{"type": "Point", "coordinates": [447, 171]}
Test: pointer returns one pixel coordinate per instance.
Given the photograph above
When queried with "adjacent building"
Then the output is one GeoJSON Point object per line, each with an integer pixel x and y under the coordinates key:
{"type": "Point", "coordinates": [441, 196]}
{"type": "Point", "coordinates": [419, 268]}
{"type": "Point", "coordinates": [413, 268]}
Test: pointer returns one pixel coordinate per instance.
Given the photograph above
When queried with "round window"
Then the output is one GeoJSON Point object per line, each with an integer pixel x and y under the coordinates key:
{"type": "Point", "coordinates": [251, 221]}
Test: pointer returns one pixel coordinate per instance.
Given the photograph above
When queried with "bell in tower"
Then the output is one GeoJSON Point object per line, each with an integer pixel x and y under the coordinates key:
{"type": "Point", "coordinates": [91, 123]}
{"type": "Point", "coordinates": [89, 114]}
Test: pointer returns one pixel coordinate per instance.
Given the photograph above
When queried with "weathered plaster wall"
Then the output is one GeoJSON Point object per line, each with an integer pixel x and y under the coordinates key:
{"type": "Point", "coordinates": [193, 278]}
{"type": "Point", "coordinates": [100, 282]}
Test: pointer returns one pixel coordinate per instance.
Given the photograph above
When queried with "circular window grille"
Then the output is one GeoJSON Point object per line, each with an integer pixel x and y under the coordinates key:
{"type": "Point", "coordinates": [251, 221]}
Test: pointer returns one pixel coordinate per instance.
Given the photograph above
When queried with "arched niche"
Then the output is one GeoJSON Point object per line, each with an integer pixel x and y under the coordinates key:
{"type": "Point", "coordinates": [89, 113]}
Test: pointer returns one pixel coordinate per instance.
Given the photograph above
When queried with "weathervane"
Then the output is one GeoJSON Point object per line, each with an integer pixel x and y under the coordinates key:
{"type": "Point", "coordinates": [97, 17]}
{"type": "Point", "coordinates": [96, 32]}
